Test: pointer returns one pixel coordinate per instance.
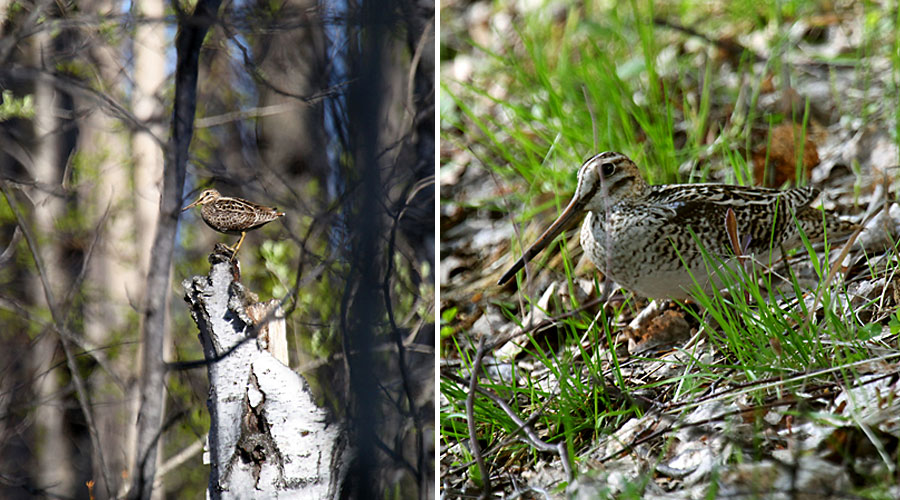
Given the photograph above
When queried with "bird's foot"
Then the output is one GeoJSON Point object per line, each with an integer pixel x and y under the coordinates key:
{"type": "Point", "coordinates": [222, 252]}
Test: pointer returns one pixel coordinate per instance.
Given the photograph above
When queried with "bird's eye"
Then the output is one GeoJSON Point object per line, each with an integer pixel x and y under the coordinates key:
{"type": "Point", "coordinates": [607, 169]}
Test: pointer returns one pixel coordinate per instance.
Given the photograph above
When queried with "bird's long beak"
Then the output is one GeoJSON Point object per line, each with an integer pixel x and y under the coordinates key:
{"type": "Point", "coordinates": [192, 205]}
{"type": "Point", "coordinates": [566, 219]}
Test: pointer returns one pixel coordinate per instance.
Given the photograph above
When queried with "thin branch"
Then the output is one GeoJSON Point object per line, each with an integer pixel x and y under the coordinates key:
{"type": "Point", "coordinates": [405, 376]}
{"type": "Point", "coordinates": [275, 109]}
{"type": "Point", "coordinates": [11, 40]}
{"type": "Point", "coordinates": [474, 447]}
{"type": "Point", "coordinates": [72, 86]}
{"type": "Point", "coordinates": [524, 426]}
{"type": "Point", "coordinates": [188, 43]}
{"type": "Point", "coordinates": [59, 322]}
{"type": "Point", "coordinates": [178, 459]}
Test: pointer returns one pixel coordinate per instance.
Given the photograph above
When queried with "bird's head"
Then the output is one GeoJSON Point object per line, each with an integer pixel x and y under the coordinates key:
{"type": "Point", "coordinates": [606, 179]}
{"type": "Point", "coordinates": [207, 196]}
{"type": "Point", "coordinates": [603, 180]}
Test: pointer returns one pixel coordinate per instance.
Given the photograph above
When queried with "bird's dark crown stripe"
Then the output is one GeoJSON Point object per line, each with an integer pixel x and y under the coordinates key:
{"type": "Point", "coordinates": [590, 194]}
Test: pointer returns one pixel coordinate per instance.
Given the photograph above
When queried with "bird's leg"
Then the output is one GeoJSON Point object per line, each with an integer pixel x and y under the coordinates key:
{"type": "Point", "coordinates": [236, 247]}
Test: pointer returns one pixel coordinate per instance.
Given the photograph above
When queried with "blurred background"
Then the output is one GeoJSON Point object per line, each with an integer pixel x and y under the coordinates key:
{"type": "Point", "coordinates": [298, 103]}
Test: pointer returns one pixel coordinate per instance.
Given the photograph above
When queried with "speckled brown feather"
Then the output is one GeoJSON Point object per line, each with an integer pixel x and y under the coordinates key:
{"type": "Point", "coordinates": [234, 215]}
{"type": "Point", "coordinates": [646, 237]}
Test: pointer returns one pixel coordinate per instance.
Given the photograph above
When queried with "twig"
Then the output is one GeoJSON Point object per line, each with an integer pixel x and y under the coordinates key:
{"type": "Point", "coordinates": [544, 324]}
{"type": "Point", "coordinates": [177, 460]}
{"type": "Point", "coordinates": [771, 382]}
{"type": "Point", "coordinates": [11, 248]}
{"type": "Point", "coordinates": [832, 272]}
{"type": "Point", "coordinates": [733, 48]}
{"type": "Point", "coordinates": [524, 425]}
{"type": "Point", "coordinates": [742, 411]}
{"type": "Point", "coordinates": [474, 447]}
{"type": "Point", "coordinates": [25, 27]}
{"type": "Point", "coordinates": [70, 85]}
{"type": "Point", "coordinates": [414, 66]}
{"type": "Point", "coordinates": [405, 376]}
{"type": "Point", "coordinates": [58, 319]}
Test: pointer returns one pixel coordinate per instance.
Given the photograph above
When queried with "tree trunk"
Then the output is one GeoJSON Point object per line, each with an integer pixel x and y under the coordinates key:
{"type": "Point", "coordinates": [113, 280]}
{"type": "Point", "coordinates": [147, 151]}
{"type": "Point", "coordinates": [53, 451]}
{"type": "Point", "coordinates": [149, 78]}
{"type": "Point", "coordinates": [192, 29]}
{"type": "Point", "coordinates": [267, 436]}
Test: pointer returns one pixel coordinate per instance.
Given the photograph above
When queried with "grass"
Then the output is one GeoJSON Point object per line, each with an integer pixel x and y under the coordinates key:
{"type": "Point", "coordinates": [591, 80]}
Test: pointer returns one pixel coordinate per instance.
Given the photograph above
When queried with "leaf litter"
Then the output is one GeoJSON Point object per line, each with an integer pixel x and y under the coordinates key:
{"type": "Point", "coordinates": [825, 432]}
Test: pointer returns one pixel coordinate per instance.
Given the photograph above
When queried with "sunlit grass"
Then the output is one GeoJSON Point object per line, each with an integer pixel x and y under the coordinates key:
{"type": "Point", "coordinates": [603, 80]}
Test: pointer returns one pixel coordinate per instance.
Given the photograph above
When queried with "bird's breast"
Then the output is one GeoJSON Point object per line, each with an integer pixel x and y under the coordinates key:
{"type": "Point", "coordinates": [644, 252]}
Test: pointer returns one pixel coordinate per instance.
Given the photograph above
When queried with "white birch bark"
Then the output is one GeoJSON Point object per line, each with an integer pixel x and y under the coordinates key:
{"type": "Point", "coordinates": [149, 77]}
{"type": "Point", "coordinates": [267, 437]}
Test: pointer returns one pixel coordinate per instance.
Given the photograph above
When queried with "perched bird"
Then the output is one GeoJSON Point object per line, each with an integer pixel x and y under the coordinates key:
{"type": "Point", "coordinates": [646, 238]}
{"type": "Point", "coordinates": [232, 215]}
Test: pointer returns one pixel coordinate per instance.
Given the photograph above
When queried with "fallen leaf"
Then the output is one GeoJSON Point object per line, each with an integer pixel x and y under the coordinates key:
{"type": "Point", "coordinates": [782, 158]}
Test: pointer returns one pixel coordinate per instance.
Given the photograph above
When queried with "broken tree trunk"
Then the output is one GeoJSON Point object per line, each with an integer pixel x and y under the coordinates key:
{"type": "Point", "coordinates": [267, 436]}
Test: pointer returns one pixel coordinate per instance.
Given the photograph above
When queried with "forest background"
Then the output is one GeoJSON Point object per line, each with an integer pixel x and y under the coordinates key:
{"type": "Point", "coordinates": [324, 110]}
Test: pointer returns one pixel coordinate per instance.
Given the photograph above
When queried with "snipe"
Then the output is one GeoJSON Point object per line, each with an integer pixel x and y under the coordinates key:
{"type": "Point", "coordinates": [232, 215]}
{"type": "Point", "coordinates": [645, 238]}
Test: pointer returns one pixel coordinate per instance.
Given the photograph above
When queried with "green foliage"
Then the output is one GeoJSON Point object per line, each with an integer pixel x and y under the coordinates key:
{"type": "Point", "coordinates": [13, 107]}
{"type": "Point", "coordinates": [86, 166]}
{"type": "Point", "coordinates": [592, 78]}
{"type": "Point", "coordinates": [74, 68]}
{"type": "Point", "coordinates": [894, 323]}
{"type": "Point", "coordinates": [275, 255]}
{"type": "Point", "coordinates": [110, 30]}
{"type": "Point", "coordinates": [447, 317]}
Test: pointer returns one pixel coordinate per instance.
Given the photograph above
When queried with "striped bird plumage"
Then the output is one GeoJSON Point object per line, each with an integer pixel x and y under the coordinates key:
{"type": "Point", "coordinates": [646, 237]}
{"type": "Point", "coordinates": [232, 215]}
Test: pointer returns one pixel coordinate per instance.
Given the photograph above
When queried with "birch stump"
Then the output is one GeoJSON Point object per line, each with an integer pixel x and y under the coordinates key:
{"type": "Point", "coordinates": [267, 436]}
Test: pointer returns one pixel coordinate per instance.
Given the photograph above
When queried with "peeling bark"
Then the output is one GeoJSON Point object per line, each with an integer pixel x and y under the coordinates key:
{"type": "Point", "coordinates": [267, 436]}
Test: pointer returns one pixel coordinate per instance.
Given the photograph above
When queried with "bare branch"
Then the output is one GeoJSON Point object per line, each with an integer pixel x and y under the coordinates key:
{"type": "Point", "coordinates": [59, 321]}
{"type": "Point", "coordinates": [188, 41]}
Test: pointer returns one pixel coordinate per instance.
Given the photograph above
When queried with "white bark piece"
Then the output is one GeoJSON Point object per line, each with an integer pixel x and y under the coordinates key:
{"type": "Point", "coordinates": [267, 437]}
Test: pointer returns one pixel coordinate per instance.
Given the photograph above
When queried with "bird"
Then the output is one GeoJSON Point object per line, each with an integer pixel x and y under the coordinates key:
{"type": "Point", "coordinates": [648, 238]}
{"type": "Point", "coordinates": [232, 215]}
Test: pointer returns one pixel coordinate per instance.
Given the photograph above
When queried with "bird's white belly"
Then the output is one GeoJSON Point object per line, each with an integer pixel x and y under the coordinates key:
{"type": "Point", "coordinates": [638, 260]}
